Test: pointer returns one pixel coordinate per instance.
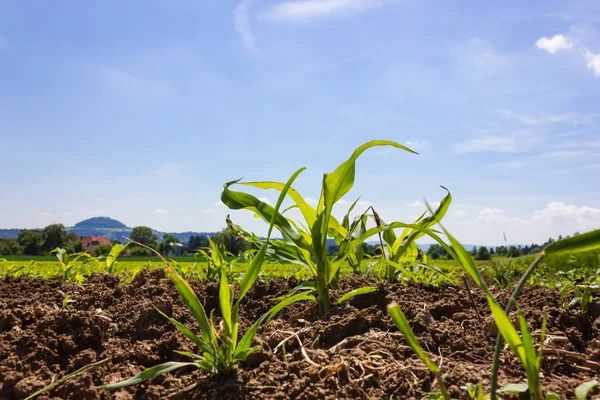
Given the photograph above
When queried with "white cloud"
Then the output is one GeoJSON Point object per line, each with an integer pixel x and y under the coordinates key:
{"type": "Point", "coordinates": [593, 62]}
{"type": "Point", "coordinates": [572, 118]}
{"type": "Point", "coordinates": [46, 214]}
{"type": "Point", "coordinates": [490, 216]}
{"type": "Point", "coordinates": [302, 10]}
{"type": "Point", "coordinates": [554, 44]}
{"type": "Point", "coordinates": [208, 210]}
{"type": "Point", "coordinates": [581, 218]}
{"type": "Point", "coordinates": [556, 218]}
{"type": "Point", "coordinates": [241, 22]}
{"type": "Point", "coordinates": [95, 212]}
{"type": "Point", "coordinates": [489, 143]}
{"type": "Point", "coordinates": [415, 204]}
{"type": "Point", "coordinates": [460, 213]}
{"type": "Point", "coordinates": [3, 42]}
{"type": "Point", "coordinates": [179, 210]}
{"type": "Point", "coordinates": [219, 204]}
{"type": "Point", "coordinates": [343, 203]}
{"type": "Point", "coordinates": [160, 211]}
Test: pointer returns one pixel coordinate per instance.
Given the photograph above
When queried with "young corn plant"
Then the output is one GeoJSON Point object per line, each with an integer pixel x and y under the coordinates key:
{"type": "Point", "coordinates": [68, 270]}
{"type": "Point", "coordinates": [110, 261]}
{"type": "Point", "coordinates": [216, 261]}
{"type": "Point", "coordinates": [521, 345]}
{"type": "Point", "coordinates": [305, 244]}
{"type": "Point", "coordinates": [402, 324]}
{"type": "Point", "coordinates": [221, 348]}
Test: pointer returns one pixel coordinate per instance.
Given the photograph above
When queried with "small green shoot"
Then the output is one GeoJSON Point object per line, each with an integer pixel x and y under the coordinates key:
{"type": "Point", "coordinates": [402, 324]}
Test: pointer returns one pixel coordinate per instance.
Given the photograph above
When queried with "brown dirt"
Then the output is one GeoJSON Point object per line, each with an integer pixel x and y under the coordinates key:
{"type": "Point", "coordinates": [355, 351]}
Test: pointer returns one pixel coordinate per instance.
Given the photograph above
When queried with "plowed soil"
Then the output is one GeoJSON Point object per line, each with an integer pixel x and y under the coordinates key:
{"type": "Point", "coordinates": [354, 352]}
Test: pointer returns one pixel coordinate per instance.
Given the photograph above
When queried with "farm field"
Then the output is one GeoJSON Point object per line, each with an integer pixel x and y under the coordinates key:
{"type": "Point", "coordinates": [293, 318]}
{"type": "Point", "coordinates": [50, 328]}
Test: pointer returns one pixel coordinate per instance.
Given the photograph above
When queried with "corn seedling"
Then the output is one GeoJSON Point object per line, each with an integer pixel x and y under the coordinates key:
{"type": "Point", "coordinates": [110, 261]}
{"type": "Point", "coordinates": [216, 261]}
{"type": "Point", "coordinates": [522, 346]}
{"type": "Point", "coordinates": [220, 347]}
{"type": "Point", "coordinates": [68, 272]}
{"type": "Point", "coordinates": [306, 244]}
{"type": "Point", "coordinates": [402, 324]}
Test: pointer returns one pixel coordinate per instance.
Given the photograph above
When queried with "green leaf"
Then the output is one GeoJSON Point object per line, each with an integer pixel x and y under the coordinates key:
{"type": "Point", "coordinates": [189, 334]}
{"type": "Point", "coordinates": [148, 374]}
{"type": "Point", "coordinates": [193, 304]}
{"type": "Point", "coordinates": [225, 301]}
{"type": "Point", "coordinates": [115, 251]}
{"type": "Point", "coordinates": [514, 388]}
{"type": "Point", "coordinates": [402, 324]}
{"type": "Point", "coordinates": [582, 391]}
{"type": "Point", "coordinates": [254, 267]}
{"type": "Point", "coordinates": [467, 262]}
{"type": "Point", "coordinates": [575, 244]}
{"type": "Point", "coordinates": [356, 292]}
{"type": "Point", "coordinates": [398, 248]}
{"type": "Point", "coordinates": [507, 330]}
{"type": "Point", "coordinates": [553, 396]}
{"type": "Point", "coordinates": [246, 340]}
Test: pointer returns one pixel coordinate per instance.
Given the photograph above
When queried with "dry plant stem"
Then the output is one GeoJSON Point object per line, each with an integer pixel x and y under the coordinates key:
{"type": "Point", "coordinates": [471, 297]}
{"type": "Point", "coordinates": [509, 307]}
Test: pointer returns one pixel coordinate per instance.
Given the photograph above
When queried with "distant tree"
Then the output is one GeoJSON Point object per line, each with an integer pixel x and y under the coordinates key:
{"type": "Point", "coordinates": [10, 247]}
{"type": "Point", "coordinates": [492, 251]}
{"type": "Point", "coordinates": [436, 248]}
{"type": "Point", "coordinates": [474, 251]}
{"type": "Point", "coordinates": [144, 235]}
{"type": "Point", "coordinates": [434, 255]}
{"type": "Point", "coordinates": [77, 246]}
{"type": "Point", "coordinates": [513, 252]}
{"type": "Point", "coordinates": [137, 251]}
{"type": "Point", "coordinates": [72, 237]}
{"type": "Point", "coordinates": [165, 246]}
{"type": "Point", "coordinates": [482, 254]}
{"type": "Point", "coordinates": [501, 251]}
{"type": "Point", "coordinates": [54, 236]}
{"type": "Point", "coordinates": [30, 242]}
{"type": "Point", "coordinates": [102, 250]}
{"type": "Point", "coordinates": [233, 243]}
{"type": "Point", "coordinates": [116, 241]}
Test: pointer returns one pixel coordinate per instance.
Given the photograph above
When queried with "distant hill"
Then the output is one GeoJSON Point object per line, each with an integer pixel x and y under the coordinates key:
{"type": "Point", "coordinates": [109, 227]}
{"type": "Point", "coordinates": [100, 222]}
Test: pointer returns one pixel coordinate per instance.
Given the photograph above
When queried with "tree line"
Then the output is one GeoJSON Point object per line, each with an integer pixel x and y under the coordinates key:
{"type": "Point", "coordinates": [31, 242]}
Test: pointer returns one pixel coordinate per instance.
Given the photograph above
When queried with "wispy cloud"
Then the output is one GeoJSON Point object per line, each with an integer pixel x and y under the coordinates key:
{"type": "Point", "coordinates": [416, 204]}
{"type": "Point", "coordinates": [572, 118]}
{"type": "Point", "coordinates": [508, 166]}
{"type": "Point", "coordinates": [161, 211]}
{"type": "Point", "coordinates": [3, 43]}
{"type": "Point", "coordinates": [135, 86]}
{"type": "Point", "coordinates": [460, 213]}
{"type": "Point", "coordinates": [46, 214]}
{"type": "Point", "coordinates": [493, 143]}
{"type": "Point", "coordinates": [303, 10]}
{"type": "Point", "coordinates": [208, 211]}
{"type": "Point", "coordinates": [593, 62]}
{"type": "Point", "coordinates": [241, 21]}
{"type": "Point", "coordinates": [554, 44]}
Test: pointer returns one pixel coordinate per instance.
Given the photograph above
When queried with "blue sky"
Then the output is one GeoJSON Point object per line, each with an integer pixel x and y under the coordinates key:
{"type": "Point", "coordinates": [141, 110]}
